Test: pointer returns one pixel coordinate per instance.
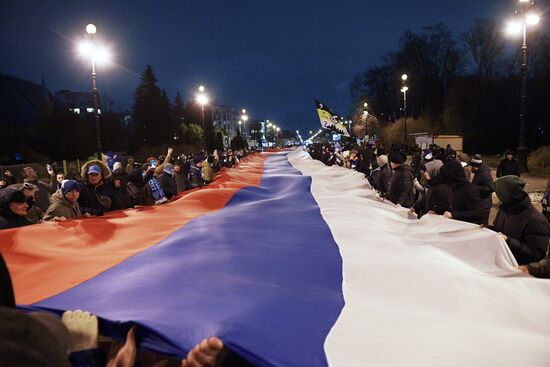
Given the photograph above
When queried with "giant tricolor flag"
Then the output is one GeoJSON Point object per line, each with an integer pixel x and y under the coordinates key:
{"type": "Point", "coordinates": [291, 263]}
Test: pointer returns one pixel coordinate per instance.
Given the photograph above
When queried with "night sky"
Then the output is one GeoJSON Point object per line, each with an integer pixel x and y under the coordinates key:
{"type": "Point", "coordinates": [272, 57]}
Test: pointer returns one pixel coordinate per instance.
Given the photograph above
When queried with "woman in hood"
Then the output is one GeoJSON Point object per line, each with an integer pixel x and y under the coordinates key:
{"type": "Point", "coordinates": [13, 208]}
{"type": "Point", "coordinates": [64, 202]}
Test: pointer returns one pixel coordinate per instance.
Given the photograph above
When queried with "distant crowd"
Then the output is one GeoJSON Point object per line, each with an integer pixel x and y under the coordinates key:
{"type": "Point", "coordinates": [443, 182]}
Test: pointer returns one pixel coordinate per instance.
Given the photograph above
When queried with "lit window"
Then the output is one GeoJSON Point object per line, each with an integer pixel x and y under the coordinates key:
{"type": "Point", "coordinates": [77, 111]}
{"type": "Point", "coordinates": [89, 110]}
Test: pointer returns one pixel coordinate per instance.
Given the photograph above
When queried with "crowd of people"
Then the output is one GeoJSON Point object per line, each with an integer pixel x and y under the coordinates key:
{"type": "Point", "coordinates": [101, 186]}
{"type": "Point", "coordinates": [443, 182]}
{"type": "Point", "coordinates": [106, 185]}
{"type": "Point", "coordinates": [436, 181]}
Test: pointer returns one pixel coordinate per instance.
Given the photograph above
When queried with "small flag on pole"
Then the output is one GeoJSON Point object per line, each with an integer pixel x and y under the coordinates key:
{"type": "Point", "coordinates": [330, 120]}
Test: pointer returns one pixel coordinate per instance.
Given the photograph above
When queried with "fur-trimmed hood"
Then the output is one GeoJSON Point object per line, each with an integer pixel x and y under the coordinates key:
{"type": "Point", "coordinates": [104, 168]}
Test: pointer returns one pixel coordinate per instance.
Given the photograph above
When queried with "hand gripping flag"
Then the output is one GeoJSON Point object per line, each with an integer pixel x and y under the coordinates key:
{"type": "Point", "coordinates": [329, 120]}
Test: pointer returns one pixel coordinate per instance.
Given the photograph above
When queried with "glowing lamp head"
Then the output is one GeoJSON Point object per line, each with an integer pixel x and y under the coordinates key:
{"type": "Point", "coordinates": [240, 122]}
{"type": "Point", "coordinates": [365, 104]}
{"type": "Point", "coordinates": [404, 89]}
{"type": "Point", "coordinates": [245, 118]}
{"type": "Point", "coordinates": [201, 88]}
{"type": "Point", "coordinates": [243, 111]}
{"type": "Point", "coordinates": [202, 99]}
{"type": "Point", "coordinates": [513, 28]}
{"type": "Point", "coordinates": [85, 48]}
{"type": "Point", "coordinates": [278, 129]}
{"type": "Point", "coordinates": [404, 77]}
{"type": "Point", "coordinates": [102, 55]}
{"type": "Point", "coordinates": [91, 29]}
{"type": "Point", "coordinates": [532, 19]}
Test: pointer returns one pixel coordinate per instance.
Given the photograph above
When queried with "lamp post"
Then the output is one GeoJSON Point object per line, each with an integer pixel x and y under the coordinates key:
{"type": "Point", "coordinates": [244, 116]}
{"type": "Point", "coordinates": [404, 90]}
{"type": "Point", "coordinates": [525, 15]}
{"type": "Point", "coordinates": [202, 99]}
{"type": "Point", "coordinates": [90, 48]}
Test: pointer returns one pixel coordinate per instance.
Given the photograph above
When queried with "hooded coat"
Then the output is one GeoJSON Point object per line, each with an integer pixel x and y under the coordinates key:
{"type": "Point", "coordinates": [508, 167]}
{"type": "Point", "coordinates": [383, 179]}
{"type": "Point", "coordinates": [102, 198]}
{"type": "Point", "coordinates": [9, 219]}
{"type": "Point", "coordinates": [526, 229]}
{"type": "Point", "coordinates": [400, 190]}
{"type": "Point", "coordinates": [61, 207]}
{"type": "Point", "coordinates": [438, 196]}
{"type": "Point", "coordinates": [466, 204]}
{"type": "Point", "coordinates": [168, 184]}
{"type": "Point", "coordinates": [484, 183]}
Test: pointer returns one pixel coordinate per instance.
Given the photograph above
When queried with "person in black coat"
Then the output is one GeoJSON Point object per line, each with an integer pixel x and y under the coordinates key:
{"type": "Point", "coordinates": [437, 198]}
{"type": "Point", "coordinates": [466, 204]}
{"type": "Point", "coordinates": [384, 175]}
{"type": "Point", "coordinates": [524, 228]}
{"type": "Point", "coordinates": [400, 190]}
{"type": "Point", "coordinates": [484, 183]}
{"type": "Point", "coordinates": [13, 208]}
{"type": "Point", "coordinates": [168, 181]}
{"type": "Point", "coordinates": [98, 195]}
{"type": "Point", "coordinates": [508, 166]}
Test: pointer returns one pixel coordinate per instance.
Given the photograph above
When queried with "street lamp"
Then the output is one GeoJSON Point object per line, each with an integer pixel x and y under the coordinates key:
{"type": "Point", "coordinates": [202, 99]}
{"type": "Point", "coordinates": [525, 16]}
{"type": "Point", "coordinates": [404, 90]}
{"type": "Point", "coordinates": [244, 116]}
{"type": "Point", "coordinates": [97, 53]}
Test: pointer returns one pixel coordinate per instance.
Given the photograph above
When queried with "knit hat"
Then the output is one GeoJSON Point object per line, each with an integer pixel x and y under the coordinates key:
{"type": "Point", "coordinates": [94, 169]}
{"type": "Point", "coordinates": [11, 195]}
{"type": "Point", "coordinates": [382, 160]}
{"type": "Point", "coordinates": [510, 189]}
{"type": "Point", "coordinates": [117, 165]}
{"type": "Point", "coordinates": [476, 161]}
{"type": "Point", "coordinates": [169, 168]}
{"type": "Point", "coordinates": [69, 185]}
{"type": "Point", "coordinates": [396, 158]}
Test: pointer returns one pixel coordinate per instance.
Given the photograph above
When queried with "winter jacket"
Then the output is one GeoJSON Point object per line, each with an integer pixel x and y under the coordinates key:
{"type": "Point", "coordinates": [168, 184]}
{"type": "Point", "coordinates": [182, 182]}
{"type": "Point", "coordinates": [526, 229]}
{"type": "Point", "coordinates": [9, 219]}
{"type": "Point", "coordinates": [61, 207]}
{"type": "Point", "coordinates": [438, 196]}
{"type": "Point", "coordinates": [400, 190]}
{"type": "Point", "coordinates": [540, 269]}
{"type": "Point", "coordinates": [484, 183]}
{"type": "Point", "coordinates": [508, 167]}
{"type": "Point", "coordinates": [207, 171]}
{"type": "Point", "coordinates": [466, 203]}
{"type": "Point", "coordinates": [99, 199]}
{"type": "Point", "coordinates": [383, 179]}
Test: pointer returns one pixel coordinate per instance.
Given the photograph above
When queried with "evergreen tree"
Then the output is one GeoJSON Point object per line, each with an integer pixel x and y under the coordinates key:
{"type": "Point", "coordinates": [178, 111]}
{"type": "Point", "coordinates": [151, 111]}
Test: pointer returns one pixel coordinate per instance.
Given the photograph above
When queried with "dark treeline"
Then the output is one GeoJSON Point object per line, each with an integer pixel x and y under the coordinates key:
{"type": "Point", "coordinates": [466, 84]}
{"type": "Point", "coordinates": [155, 121]}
